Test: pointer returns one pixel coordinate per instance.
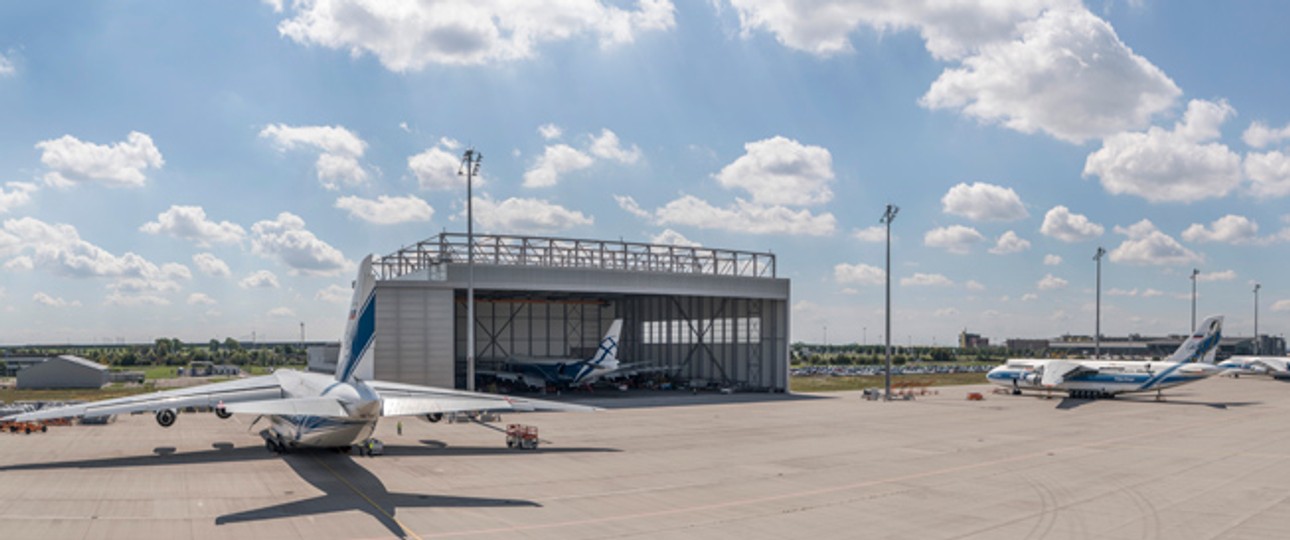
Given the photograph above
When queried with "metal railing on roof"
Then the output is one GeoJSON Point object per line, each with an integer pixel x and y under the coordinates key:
{"type": "Point", "coordinates": [549, 252]}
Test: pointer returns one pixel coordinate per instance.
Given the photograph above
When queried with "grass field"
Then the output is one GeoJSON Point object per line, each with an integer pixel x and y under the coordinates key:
{"type": "Point", "coordinates": [835, 384]}
{"type": "Point", "coordinates": [10, 395]}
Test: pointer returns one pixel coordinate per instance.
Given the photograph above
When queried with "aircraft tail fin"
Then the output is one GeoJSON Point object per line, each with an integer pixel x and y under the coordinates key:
{"type": "Point", "coordinates": [607, 355]}
{"type": "Point", "coordinates": [356, 348]}
{"type": "Point", "coordinates": [1202, 344]}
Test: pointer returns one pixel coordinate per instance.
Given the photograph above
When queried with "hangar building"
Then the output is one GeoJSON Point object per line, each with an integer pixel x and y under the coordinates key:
{"type": "Point", "coordinates": [65, 371]}
{"type": "Point", "coordinates": [709, 316]}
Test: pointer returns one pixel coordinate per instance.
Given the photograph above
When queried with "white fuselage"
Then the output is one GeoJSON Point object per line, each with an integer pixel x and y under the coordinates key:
{"type": "Point", "coordinates": [1112, 377]}
{"type": "Point", "coordinates": [363, 405]}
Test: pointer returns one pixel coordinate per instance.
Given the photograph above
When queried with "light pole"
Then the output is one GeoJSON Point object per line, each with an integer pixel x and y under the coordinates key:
{"type": "Point", "coordinates": [1097, 325]}
{"type": "Point", "coordinates": [1194, 273]}
{"type": "Point", "coordinates": [470, 167]}
{"type": "Point", "coordinates": [887, 217]}
{"type": "Point", "coordinates": [1256, 319]}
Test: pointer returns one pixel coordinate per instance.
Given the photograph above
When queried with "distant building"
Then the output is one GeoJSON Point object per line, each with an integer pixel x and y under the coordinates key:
{"type": "Point", "coordinates": [65, 371]}
{"type": "Point", "coordinates": [972, 341]}
{"type": "Point", "coordinates": [322, 358]}
{"type": "Point", "coordinates": [1138, 346]}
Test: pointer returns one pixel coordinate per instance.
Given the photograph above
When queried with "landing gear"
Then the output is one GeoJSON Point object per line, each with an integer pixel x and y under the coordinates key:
{"type": "Point", "coordinates": [1160, 395]}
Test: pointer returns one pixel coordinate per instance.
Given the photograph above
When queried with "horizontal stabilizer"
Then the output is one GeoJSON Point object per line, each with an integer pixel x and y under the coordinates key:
{"type": "Point", "coordinates": [313, 406]}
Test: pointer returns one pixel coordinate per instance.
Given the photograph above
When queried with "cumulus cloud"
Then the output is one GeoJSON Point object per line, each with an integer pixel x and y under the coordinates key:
{"type": "Point", "coordinates": [209, 264]}
{"type": "Point", "coordinates": [954, 239]}
{"type": "Point", "coordinates": [386, 210]}
{"type": "Point", "coordinates": [983, 202]}
{"type": "Point", "coordinates": [1063, 225]}
{"type": "Point", "coordinates": [1122, 292]}
{"type": "Point", "coordinates": [1259, 135]}
{"type": "Point", "coordinates": [862, 274]}
{"type": "Point", "coordinates": [15, 194]}
{"type": "Point", "coordinates": [526, 215]}
{"type": "Point", "coordinates": [190, 223]}
{"type": "Point", "coordinates": [670, 237]}
{"type": "Point", "coordinates": [920, 279]}
{"type": "Point", "coordinates": [1175, 165]}
{"type": "Point", "coordinates": [1029, 297]}
{"type": "Point", "coordinates": [202, 299]}
{"type": "Point", "coordinates": [550, 131]}
{"type": "Point", "coordinates": [781, 171]}
{"type": "Point", "coordinates": [607, 146]}
{"type": "Point", "coordinates": [1281, 305]}
{"type": "Point", "coordinates": [6, 66]}
{"type": "Point", "coordinates": [873, 235]}
{"type": "Point", "coordinates": [60, 250]}
{"type": "Point", "coordinates": [262, 279]}
{"type": "Point", "coordinates": [1052, 260]}
{"type": "Point", "coordinates": [287, 240]}
{"type": "Point", "coordinates": [629, 204]}
{"type": "Point", "coordinates": [1229, 229]}
{"type": "Point", "coordinates": [282, 313]}
{"type": "Point", "coordinates": [745, 217]}
{"type": "Point", "coordinates": [20, 263]}
{"type": "Point", "coordinates": [1220, 275]}
{"type": "Point", "coordinates": [1009, 242]}
{"type": "Point", "coordinates": [973, 285]}
{"type": "Point", "coordinates": [51, 301]}
{"type": "Point", "coordinates": [556, 160]}
{"type": "Point", "coordinates": [408, 36]}
{"type": "Point", "coordinates": [1066, 74]}
{"type": "Point", "coordinates": [1145, 244]}
{"type": "Point", "coordinates": [123, 164]}
{"type": "Point", "coordinates": [1050, 282]}
{"type": "Point", "coordinates": [1269, 173]}
{"type": "Point", "coordinates": [436, 169]}
{"type": "Point", "coordinates": [334, 294]}
{"type": "Point", "coordinates": [339, 151]}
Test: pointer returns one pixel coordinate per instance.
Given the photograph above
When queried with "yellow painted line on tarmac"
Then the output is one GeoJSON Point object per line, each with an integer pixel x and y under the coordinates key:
{"type": "Point", "coordinates": [369, 500]}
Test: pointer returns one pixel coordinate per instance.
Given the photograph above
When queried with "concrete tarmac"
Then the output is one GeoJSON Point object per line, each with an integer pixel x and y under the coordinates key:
{"type": "Point", "coordinates": [1213, 461]}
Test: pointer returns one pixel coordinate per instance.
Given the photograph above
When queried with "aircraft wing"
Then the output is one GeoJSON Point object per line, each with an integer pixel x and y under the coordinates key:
{"type": "Point", "coordinates": [1057, 371]}
{"type": "Point", "coordinates": [411, 400]}
{"type": "Point", "coordinates": [1273, 364]}
{"type": "Point", "coordinates": [312, 406]}
{"type": "Point", "coordinates": [208, 395]}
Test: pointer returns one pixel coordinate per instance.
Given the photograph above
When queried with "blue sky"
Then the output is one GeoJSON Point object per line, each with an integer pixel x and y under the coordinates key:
{"type": "Point", "coordinates": [217, 169]}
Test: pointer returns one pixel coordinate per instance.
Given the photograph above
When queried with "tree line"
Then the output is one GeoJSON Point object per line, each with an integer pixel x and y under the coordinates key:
{"type": "Point", "coordinates": [173, 352]}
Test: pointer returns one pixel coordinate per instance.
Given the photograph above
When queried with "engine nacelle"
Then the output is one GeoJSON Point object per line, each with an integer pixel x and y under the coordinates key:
{"type": "Point", "coordinates": [223, 413]}
{"type": "Point", "coordinates": [434, 417]}
{"type": "Point", "coordinates": [167, 417]}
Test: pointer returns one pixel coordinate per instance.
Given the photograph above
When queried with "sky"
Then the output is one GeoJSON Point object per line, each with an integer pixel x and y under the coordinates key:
{"type": "Point", "coordinates": [217, 169]}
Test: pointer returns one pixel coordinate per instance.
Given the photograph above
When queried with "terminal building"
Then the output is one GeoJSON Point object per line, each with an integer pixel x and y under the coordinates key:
{"type": "Point", "coordinates": [709, 317]}
{"type": "Point", "coordinates": [1138, 347]}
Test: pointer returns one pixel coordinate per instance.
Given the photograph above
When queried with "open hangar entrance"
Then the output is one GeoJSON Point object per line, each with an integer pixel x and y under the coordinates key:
{"type": "Point", "coordinates": [704, 316]}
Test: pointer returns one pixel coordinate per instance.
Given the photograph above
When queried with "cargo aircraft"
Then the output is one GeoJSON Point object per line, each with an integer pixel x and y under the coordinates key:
{"type": "Point", "coordinates": [1278, 367]}
{"type": "Point", "coordinates": [1193, 361]}
{"type": "Point", "coordinates": [562, 372]}
{"type": "Point", "coordinates": [313, 409]}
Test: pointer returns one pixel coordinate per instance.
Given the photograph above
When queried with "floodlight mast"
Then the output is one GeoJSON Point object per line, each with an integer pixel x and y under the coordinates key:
{"type": "Point", "coordinates": [1097, 325]}
{"type": "Point", "coordinates": [1257, 341]}
{"type": "Point", "coordinates": [887, 217]}
{"type": "Point", "coordinates": [470, 167]}
{"type": "Point", "coordinates": [1194, 272]}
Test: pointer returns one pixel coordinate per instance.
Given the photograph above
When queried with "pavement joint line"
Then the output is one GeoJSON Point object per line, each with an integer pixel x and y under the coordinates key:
{"type": "Point", "coordinates": [369, 500]}
{"type": "Point", "coordinates": [820, 491]}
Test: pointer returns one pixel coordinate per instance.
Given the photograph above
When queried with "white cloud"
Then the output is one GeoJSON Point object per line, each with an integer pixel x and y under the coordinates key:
{"type": "Point", "coordinates": [555, 160]}
{"type": "Point", "coordinates": [1051, 282]}
{"type": "Point", "coordinates": [408, 36]}
{"type": "Point", "coordinates": [781, 171]}
{"type": "Point", "coordinates": [262, 279]}
{"type": "Point", "coordinates": [45, 299]}
{"type": "Point", "coordinates": [1259, 135]}
{"type": "Point", "coordinates": [529, 216]}
{"type": "Point", "coordinates": [946, 312]}
{"type": "Point", "coordinates": [449, 143]}
{"type": "Point", "coordinates": [606, 146]}
{"type": "Point", "coordinates": [287, 240]}
{"type": "Point", "coordinates": [436, 169]}
{"type": "Point", "coordinates": [1229, 229]}
{"type": "Point", "coordinates": [282, 313]}
{"type": "Point", "coordinates": [190, 223]}
{"type": "Point", "coordinates": [920, 279]}
{"type": "Point", "coordinates": [983, 202]}
{"type": "Point", "coordinates": [1063, 225]}
{"type": "Point", "coordinates": [20, 263]}
{"type": "Point", "coordinates": [1029, 297]}
{"type": "Point", "coordinates": [6, 66]}
{"type": "Point", "coordinates": [339, 150]}
{"type": "Point", "coordinates": [954, 239]}
{"type": "Point", "coordinates": [334, 294]}
{"type": "Point", "coordinates": [1171, 166]}
{"type": "Point", "coordinates": [1147, 245]}
{"type": "Point", "coordinates": [1009, 242]}
{"type": "Point", "coordinates": [862, 274]}
{"type": "Point", "coordinates": [71, 160]}
{"type": "Point", "coordinates": [1122, 292]}
{"type": "Point", "coordinates": [1281, 305]}
{"type": "Point", "coordinates": [550, 131]}
{"type": "Point", "coordinates": [1152, 293]}
{"type": "Point", "coordinates": [386, 210]}
{"type": "Point", "coordinates": [1221, 275]}
{"type": "Point", "coordinates": [1269, 174]}
{"type": "Point", "coordinates": [629, 204]}
{"type": "Point", "coordinates": [201, 299]}
{"type": "Point", "coordinates": [670, 237]}
{"type": "Point", "coordinates": [119, 299]}
{"type": "Point", "coordinates": [59, 249]}
{"type": "Point", "coordinates": [974, 285]}
{"type": "Point", "coordinates": [745, 217]}
{"type": "Point", "coordinates": [209, 264]}
{"type": "Point", "coordinates": [17, 194]}
{"type": "Point", "coordinates": [1067, 74]}
{"type": "Point", "coordinates": [1052, 260]}
{"type": "Point", "coordinates": [873, 235]}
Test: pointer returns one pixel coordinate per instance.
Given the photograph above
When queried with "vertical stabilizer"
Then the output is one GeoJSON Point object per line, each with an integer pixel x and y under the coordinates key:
{"type": "Point", "coordinates": [607, 355]}
{"type": "Point", "coordinates": [1202, 344]}
{"type": "Point", "coordinates": [356, 346]}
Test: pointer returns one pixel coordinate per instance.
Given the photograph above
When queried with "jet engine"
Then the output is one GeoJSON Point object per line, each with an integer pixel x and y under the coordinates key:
{"type": "Point", "coordinates": [434, 417]}
{"type": "Point", "coordinates": [166, 417]}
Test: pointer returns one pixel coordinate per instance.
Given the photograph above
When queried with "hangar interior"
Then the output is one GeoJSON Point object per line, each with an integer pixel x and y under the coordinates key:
{"type": "Point", "coordinates": [706, 316]}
